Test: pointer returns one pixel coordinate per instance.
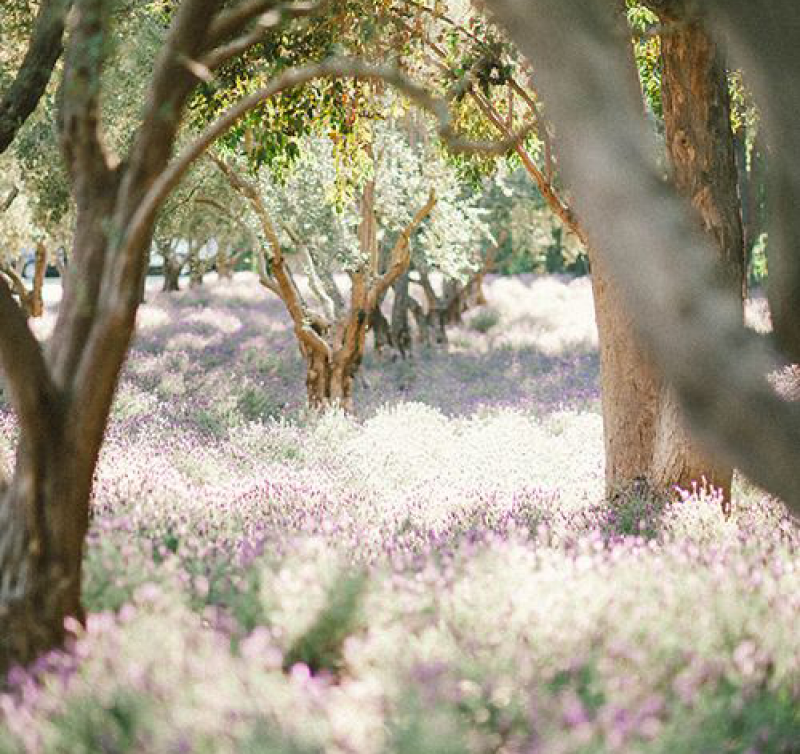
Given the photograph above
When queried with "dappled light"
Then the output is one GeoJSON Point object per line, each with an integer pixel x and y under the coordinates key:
{"type": "Point", "coordinates": [399, 377]}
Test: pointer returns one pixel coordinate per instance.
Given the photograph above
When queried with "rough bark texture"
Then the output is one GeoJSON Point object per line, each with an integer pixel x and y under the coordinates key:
{"type": "Point", "coordinates": [700, 145]}
{"type": "Point", "coordinates": [660, 260]}
{"type": "Point", "coordinates": [62, 398]}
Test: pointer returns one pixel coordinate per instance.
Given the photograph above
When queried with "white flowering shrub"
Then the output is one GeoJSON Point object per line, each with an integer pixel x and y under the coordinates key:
{"type": "Point", "coordinates": [435, 573]}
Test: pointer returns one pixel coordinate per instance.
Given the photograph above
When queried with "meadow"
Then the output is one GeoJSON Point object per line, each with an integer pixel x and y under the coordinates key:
{"type": "Point", "coordinates": [435, 573]}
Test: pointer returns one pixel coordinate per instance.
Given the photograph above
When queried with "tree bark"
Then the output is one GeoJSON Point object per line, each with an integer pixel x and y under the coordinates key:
{"type": "Point", "coordinates": [381, 332]}
{"type": "Point", "coordinates": [329, 380]}
{"type": "Point", "coordinates": [401, 330]}
{"type": "Point", "coordinates": [172, 276]}
{"type": "Point", "coordinates": [629, 387]}
{"type": "Point", "coordinates": [701, 149]}
{"type": "Point", "coordinates": [62, 399]}
{"type": "Point", "coordinates": [36, 301]}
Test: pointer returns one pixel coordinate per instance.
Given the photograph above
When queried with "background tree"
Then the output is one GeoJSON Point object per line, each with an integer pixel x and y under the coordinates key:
{"type": "Point", "coordinates": [200, 228]}
{"type": "Point", "coordinates": [335, 232]}
{"type": "Point", "coordinates": [696, 108]}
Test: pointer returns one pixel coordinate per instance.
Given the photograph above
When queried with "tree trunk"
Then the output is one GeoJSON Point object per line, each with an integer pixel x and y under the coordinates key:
{"type": "Point", "coordinates": [35, 303]}
{"type": "Point", "coordinates": [421, 319]}
{"type": "Point", "coordinates": [455, 297]}
{"type": "Point", "coordinates": [629, 387]}
{"type": "Point", "coordinates": [195, 274]}
{"type": "Point", "coordinates": [44, 517]}
{"type": "Point", "coordinates": [224, 263]}
{"type": "Point", "coordinates": [172, 274]}
{"type": "Point", "coordinates": [329, 384]}
{"type": "Point", "coordinates": [401, 330]}
{"type": "Point", "coordinates": [381, 332]}
{"type": "Point", "coordinates": [701, 149]}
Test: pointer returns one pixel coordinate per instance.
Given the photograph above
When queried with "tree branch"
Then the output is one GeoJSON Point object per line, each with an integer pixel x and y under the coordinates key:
{"type": "Point", "coordinates": [31, 390]}
{"type": "Point", "coordinates": [272, 18]}
{"type": "Point", "coordinates": [79, 99]}
{"type": "Point", "coordinates": [331, 68]}
{"type": "Point", "coordinates": [9, 200]}
{"type": "Point", "coordinates": [232, 21]}
{"type": "Point", "coordinates": [285, 286]}
{"type": "Point", "coordinates": [44, 49]}
{"type": "Point", "coordinates": [401, 254]}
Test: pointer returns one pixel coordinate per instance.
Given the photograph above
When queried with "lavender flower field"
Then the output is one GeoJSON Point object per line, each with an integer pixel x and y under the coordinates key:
{"type": "Point", "coordinates": [434, 574]}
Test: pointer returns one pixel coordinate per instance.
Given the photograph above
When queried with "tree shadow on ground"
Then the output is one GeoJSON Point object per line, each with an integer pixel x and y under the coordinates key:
{"type": "Point", "coordinates": [217, 350]}
{"type": "Point", "coordinates": [461, 384]}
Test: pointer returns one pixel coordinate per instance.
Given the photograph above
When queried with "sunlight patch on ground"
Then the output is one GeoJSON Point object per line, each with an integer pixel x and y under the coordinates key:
{"type": "Point", "coordinates": [551, 314]}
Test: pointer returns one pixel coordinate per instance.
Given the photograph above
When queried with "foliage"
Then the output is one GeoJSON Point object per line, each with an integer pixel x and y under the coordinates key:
{"type": "Point", "coordinates": [757, 274]}
{"type": "Point", "coordinates": [484, 320]}
{"type": "Point", "coordinates": [531, 237]}
{"type": "Point", "coordinates": [317, 211]}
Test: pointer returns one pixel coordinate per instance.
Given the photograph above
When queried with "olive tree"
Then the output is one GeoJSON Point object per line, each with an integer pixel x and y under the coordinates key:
{"type": "Point", "coordinates": [648, 237]}
{"type": "Point", "coordinates": [406, 198]}
{"type": "Point", "coordinates": [61, 395]}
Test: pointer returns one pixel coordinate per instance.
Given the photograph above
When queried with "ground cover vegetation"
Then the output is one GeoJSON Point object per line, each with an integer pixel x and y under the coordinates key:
{"type": "Point", "coordinates": [413, 553]}
{"type": "Point", "coordinates": [262, 578]}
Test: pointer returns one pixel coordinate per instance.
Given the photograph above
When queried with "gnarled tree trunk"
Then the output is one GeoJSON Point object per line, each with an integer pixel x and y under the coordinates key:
{"type": "Point", "coordinates": [329, 381]}
{"type": "Point", "coordinates": [62, 398]}
{"type": "Point", "coordinates": [700, 144]}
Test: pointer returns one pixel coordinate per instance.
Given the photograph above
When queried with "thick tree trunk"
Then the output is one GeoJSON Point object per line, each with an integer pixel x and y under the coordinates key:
{"type": "Point", "coordinates": [329, 382]}
{"type": "Point", "coordinates": [44, 517]}
{"type": "Point", "coordinates": [629, 388]}
{"type": "Point", "coordinates": [701, 149]}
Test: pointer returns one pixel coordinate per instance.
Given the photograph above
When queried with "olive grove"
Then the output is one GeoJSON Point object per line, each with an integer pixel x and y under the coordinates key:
{"type": "Point", "coordinates": [62, 394]}
{"type": "Point", "coordinates": [644, 242]}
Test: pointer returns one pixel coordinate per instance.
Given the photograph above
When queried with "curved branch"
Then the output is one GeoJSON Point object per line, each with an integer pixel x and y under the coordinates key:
{"type": "Point", "coordinates": [34, 73]}
{"type": "Point", "coordinates": [401, 254]}
{"type": "Point", "coordinates": [284, 285]}
{"type": "Point", "coordinates": [332, 68]}
{"type": "Point", "coordinates": [276, 14]}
